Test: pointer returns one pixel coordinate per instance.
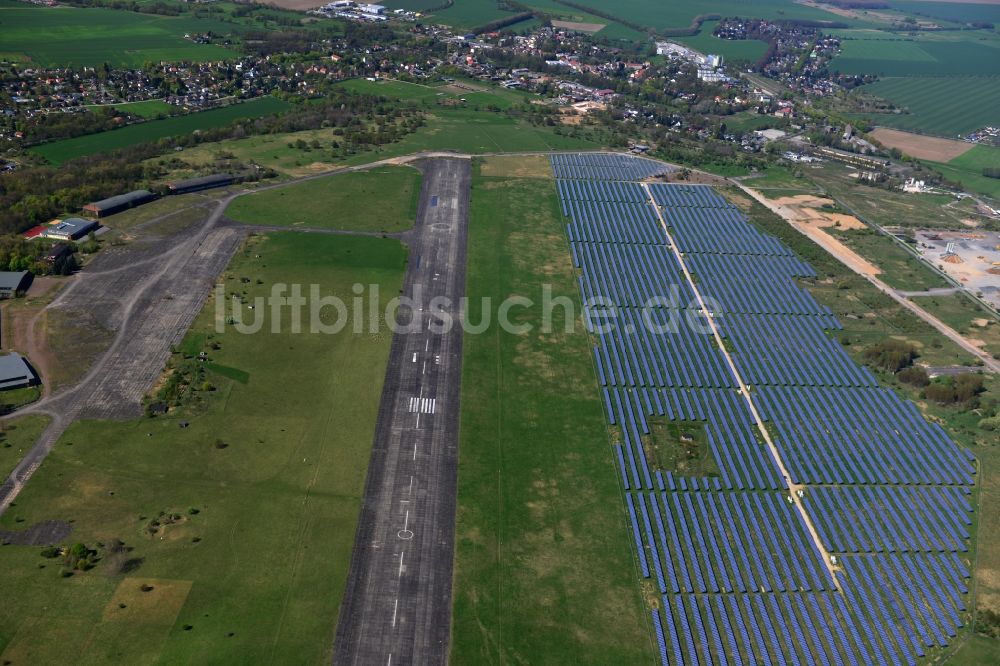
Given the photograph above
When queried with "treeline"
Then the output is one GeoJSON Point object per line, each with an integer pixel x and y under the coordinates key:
{"type": "Point", "coordinates": [33, 195]}
{"type": "Point", "coordinates": [692, 29]}
{"type": "Point", "coordinates": [505, 22]}
{"type": "Point", "coordinates": [439, 7]}
{"type": "Point", "coordinates": [160, 8]}
{"type": "Point", "coordinates": [55, 126]}
{"type": "Point", "coordinates": [859, 4]}
{"type": "Point", "coordinates": [605, 15]}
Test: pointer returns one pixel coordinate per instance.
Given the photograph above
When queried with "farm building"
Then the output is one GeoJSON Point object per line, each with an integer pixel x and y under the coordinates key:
{"type": "Point", "coordinates": [13, 282]}
{"type": "Point", "coordinates": [116, 204]}
{"type": "Point", "coordinates": [203, 183]}
{"type": "Point", "coordinates": [15, 372]}
{"type": "Point", "coordinates": [72, 228]}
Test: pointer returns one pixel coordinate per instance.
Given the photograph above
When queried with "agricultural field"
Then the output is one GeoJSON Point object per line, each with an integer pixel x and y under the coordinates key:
{"type": "Point", "coordinates": [922, 147]}
{"type": "Point", "coordinates": [951, 11]}
{"type": "Point", "coordinates": [153, 108]}
{"type": "Point", "coordinates": [611, 29]}
{"type": "Point", "coordinates": [944, 54]}
{"type": "Point", "coordinates": [930, 106]}
{"type": "Point", "coordinates": [466, 13]}
{"type": "Point", "coordinates": [968, 170]}
{"type": "Point", "coordinates": [744, 50]}
{"type": "Point", "coordinates": [67, 149]}
{"type": "Point", "coordinates": [69, 36]}
{"type": "Point", "coordinates": [238, 528]}
{"type": "Point", "coordinates": [542, 564]}
{"type": "Point", "coordinates": [382, 199]}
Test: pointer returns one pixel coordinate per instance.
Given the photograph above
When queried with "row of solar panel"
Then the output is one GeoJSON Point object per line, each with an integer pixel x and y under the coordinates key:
{"type": "Point", "coordinates": [876, 519]}
{"type": "Point", "coordinates": [860, 436]}
{"type": "Point", "coordinates": [710, 542]}
{"type": "Point", "coordinates": [605, 166]}
{"type": "Point", "coordinates": [615, 192]}
{"type": "Point", "coordinates": [691, 548]}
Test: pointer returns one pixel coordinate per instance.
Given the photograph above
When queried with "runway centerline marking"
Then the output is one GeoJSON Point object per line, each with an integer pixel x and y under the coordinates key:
{"type": "Point", "coordinates": [395, 609]}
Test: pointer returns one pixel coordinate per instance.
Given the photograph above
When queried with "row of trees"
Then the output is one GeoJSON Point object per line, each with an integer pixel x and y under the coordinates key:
{"type": "Point", "coordinates": [33, 195]}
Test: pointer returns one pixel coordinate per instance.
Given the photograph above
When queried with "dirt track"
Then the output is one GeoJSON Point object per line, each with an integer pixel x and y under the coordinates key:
{"type": "Point", "coordinates": [822, 239]}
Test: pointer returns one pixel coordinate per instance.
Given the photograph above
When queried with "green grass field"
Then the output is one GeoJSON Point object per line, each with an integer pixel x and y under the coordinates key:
{"type": "Point", "coordinates": [147, 109]}
{"type": "Point", "coordinates": [931, 107]}
{"type": "Point", "coordinates": [744, 50]}
{"type": "Point", "coordinates": [274, 469]}
{"type": "Point", "coordinates": [469, 131]}
{"type": "Point", "coordinates": [968, 170]}
{"type": "Point", "coordinates": [16, 438]}
{"type": "Point", "coordinates": [889, 208]}
{"type": "Point", "coordinates": [69, 36]}
{"type": "Point", "coordinates": [968, 318]}
{"type": "Point", "coordinates": [900, 269]}
{"type": "Point", "coordinates": [382, 199]}
{"type": "Point", "coordinates": [60, 151]}
{"type": "Point", "coordinates": [469, 13]}
{"type": "Point", "coordinates": [652, 13]}
{"type": "Point", "coordinates": [476, 93]}
{"type": "Point", "coordinates": [963, 54]}
{"type": "Point", "coordinates": [543, 571]}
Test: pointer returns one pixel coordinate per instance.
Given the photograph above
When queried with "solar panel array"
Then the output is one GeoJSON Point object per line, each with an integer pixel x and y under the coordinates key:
{"type": "Point", "coordinates": [606, 166]}
{"type": "Point", "coordinates": [741, 579]}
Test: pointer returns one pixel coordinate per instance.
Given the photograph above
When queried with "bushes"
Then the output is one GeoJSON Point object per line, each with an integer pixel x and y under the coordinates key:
{"type": "Point", "coordinates": [914, 376]}
{"type": "Point", "coordinates": [890, 355]}
{"type": "Point", "coordinates": [962, 389]}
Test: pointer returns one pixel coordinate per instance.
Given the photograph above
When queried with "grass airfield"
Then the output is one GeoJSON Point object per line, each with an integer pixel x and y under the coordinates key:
{"type": "Point", "coordinates": [265, 482]}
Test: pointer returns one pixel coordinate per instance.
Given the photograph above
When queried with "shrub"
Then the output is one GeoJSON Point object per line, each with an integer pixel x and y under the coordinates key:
{"type": "Point", "coordinates": [914, 376]}
{"type": "Point", "coordinates": [992, 423]}
{"type": "Point", "coordinates": [891, 355]}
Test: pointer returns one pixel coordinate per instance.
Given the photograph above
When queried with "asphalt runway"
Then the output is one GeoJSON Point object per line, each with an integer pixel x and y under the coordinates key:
{"type": "Point", "coordinates": [397, 605]}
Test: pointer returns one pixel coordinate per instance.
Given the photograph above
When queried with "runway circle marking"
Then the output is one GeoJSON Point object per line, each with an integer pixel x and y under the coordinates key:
{"type": "Point", "coordinates": [405, 534]}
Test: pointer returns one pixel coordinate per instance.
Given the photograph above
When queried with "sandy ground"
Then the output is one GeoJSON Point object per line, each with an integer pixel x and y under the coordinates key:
{"type": "Point", "coordinates": [24, 328]}
{"type": "Point", "coordinates": [802, 213]}
{"type": "Point", "coordinates": [581, 27]}
{"type": "Point", "coordinates": [978, 254]}
{"type": "Point", "coordinates": [870, 272]}
{"type": "Point", "coordinates": [920, 146]}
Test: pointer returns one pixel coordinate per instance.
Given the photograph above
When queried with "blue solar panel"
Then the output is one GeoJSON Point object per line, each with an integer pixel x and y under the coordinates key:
{"type": "Point", "coordinates": [887, 492]}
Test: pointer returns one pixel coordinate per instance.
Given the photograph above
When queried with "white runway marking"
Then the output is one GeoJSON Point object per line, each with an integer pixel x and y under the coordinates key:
{"type": "Point", "coordinates": [395, 609]}
{"type": "Point", "coordinates": [422, 405]}
{"type": "Point", "coordinates": [400, 574]}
